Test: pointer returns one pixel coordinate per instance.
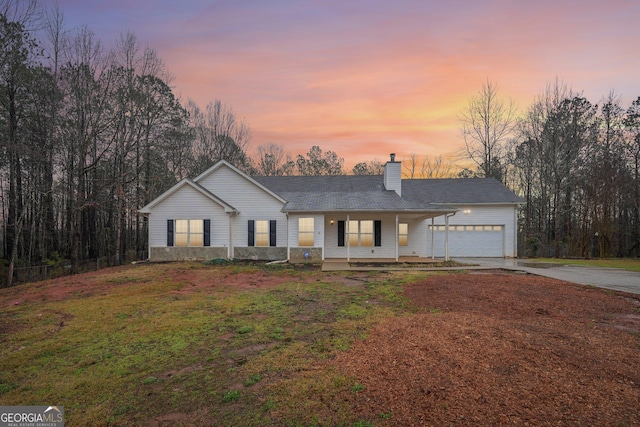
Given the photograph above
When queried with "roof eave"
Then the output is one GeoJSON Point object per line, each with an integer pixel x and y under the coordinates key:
{"type": "Point", "coordinates": [479, 203]}
{"type": "Point", "coordinates": [324, 211]}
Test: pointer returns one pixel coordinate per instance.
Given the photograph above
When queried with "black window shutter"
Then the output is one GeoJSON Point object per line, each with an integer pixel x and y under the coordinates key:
{"type": "Point", "coordinates": [207, 232]}
{"type": "Point", "coordinates": [251, 231]}
{"type": "Point", "coordinates": [377, 233]}
{"type": "Point", "coordinates": [340, 233]}
{"type": "Point", "coordinates": [272, 232]}
{"type": "Point", "coordinates": [169, 232]}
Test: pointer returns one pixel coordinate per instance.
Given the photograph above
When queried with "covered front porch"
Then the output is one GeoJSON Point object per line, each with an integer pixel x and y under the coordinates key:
{"type": "Point", "coordinates": [383, 236]}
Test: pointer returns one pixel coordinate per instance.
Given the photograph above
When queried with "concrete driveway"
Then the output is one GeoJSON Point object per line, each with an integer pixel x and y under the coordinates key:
{"type": "Point", "coordinates": [608, 278]}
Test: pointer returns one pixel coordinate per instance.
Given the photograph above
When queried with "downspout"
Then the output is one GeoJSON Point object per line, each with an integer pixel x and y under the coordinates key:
{"type": "Point", "coordinates": [446, 235]}
{"type": "Point", "coordinates": [288, 242]}
{"type": "Point", "coordinates": [324, 234]}
{"type": "Point", "coordinates": [230, 241]}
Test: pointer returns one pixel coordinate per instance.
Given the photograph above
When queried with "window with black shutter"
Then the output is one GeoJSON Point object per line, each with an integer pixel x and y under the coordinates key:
{"type": "Point", "coordinates": [207, 232]}
{"type": "Point", "coordinates": [261, 233]}
{"type": "Point", "coordinates": [377, 233]}
{"type": "Point", "coordinates": [251, 233]}
{"type": "Point", "coordinates": [169, 232]}
{"type": "Point", "coordinates": [272, 232]}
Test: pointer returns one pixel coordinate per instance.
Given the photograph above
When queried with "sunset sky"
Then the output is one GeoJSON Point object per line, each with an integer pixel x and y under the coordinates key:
{"type": "Point", "coordinates": [366, 78]}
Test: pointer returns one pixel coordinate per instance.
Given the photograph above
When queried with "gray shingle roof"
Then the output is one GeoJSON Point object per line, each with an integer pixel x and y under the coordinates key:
{"type": "Point", "coordinates": [458, 191]}
{"type": "Point", "coordinates": [367, 193]}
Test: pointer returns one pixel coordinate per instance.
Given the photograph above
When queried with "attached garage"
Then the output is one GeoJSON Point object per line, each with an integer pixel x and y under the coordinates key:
{"type": "Point", "coordinates": [468, 240]}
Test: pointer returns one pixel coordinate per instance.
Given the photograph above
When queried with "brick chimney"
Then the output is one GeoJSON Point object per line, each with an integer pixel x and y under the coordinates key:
{"type": "Point", "coordinates": [393, 175]}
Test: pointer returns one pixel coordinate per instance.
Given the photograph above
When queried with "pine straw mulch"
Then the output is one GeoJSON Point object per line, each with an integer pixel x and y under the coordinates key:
{"type": "Point", "coordinates": [502, 349]}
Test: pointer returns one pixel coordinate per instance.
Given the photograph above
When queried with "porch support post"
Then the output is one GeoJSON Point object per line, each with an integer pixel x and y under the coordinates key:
{"type": "Point", "coordinates": [348, 239]}
{"type": "Point", "coordinates": [324, 233]}
{"type": "Point", "coordinates": [397, 250]}
{"type": "Point", "coordinates": [433, 230]}
{"type": "Point", "coordinates": [446, 237]}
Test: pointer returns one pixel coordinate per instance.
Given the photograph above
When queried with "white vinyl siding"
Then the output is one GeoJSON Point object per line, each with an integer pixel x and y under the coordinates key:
{"type": "Point", "coordinates": [199, 207]}
{"type": "Point", "coordinates": [250, 200]}
{"type": "Point", "coordinates": [387, 237]}
{"type": "Point", "coordinates": [416, 238]}
{"type": "Point", "coordinates": [318, 229]}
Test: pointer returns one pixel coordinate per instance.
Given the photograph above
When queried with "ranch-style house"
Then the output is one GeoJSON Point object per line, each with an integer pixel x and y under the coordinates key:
{"type": "Point", "coordinates": [225, 213]}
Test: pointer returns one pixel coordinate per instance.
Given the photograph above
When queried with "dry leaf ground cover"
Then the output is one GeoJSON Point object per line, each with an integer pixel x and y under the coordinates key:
{"type": "Point", "coordinates": [503, 349]}
{"type": "Point", "coordinates": [192, 344]}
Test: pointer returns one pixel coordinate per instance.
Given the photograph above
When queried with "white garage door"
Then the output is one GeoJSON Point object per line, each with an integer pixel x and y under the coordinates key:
{"type": "Point", "coordinates": [469, 240]}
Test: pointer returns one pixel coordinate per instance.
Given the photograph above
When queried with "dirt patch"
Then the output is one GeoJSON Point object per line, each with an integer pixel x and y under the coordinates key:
{"type": "Point", "coordinates": [81, 285]}
{"type": "Point", "coordinates": [193, 277]}
{"type": "Point", "coordinates": [196, 280]}
{"type": "Point", "coordinates": [501, 349]}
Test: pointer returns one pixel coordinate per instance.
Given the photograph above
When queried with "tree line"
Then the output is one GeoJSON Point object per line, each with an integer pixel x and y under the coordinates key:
{"type": "Point", "coordinates": [575, 163]}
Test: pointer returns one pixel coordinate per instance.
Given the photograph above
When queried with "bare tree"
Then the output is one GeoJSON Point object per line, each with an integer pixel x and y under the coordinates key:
{"type": "Point", "coordinates": [218, 135]}
{"type": "Point", "coordinates": [18, 69]}
{"type": "Point", "coordinates": [273, 161]}
{"type": "Point", "coordinates": [428, 167]}
{"type": "Point", "coordinates": [27, 13]}
{"type": "Point", "coordinates": [87, 86]}
{"type": "Point", "coordinates": [487, 123]}
{"type": "Point", "coordinates": [558, 126]}
{"type": "Point", "coordinates": [604, 176]}
{"type": "Point", "coordinates": [411, 166]}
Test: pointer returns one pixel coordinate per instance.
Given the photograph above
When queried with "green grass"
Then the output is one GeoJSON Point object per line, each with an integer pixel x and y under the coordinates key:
{"type": "Point", "coordinates": [230, 396]}
{"type": "Point", "coordinates": [138, 345]}
{"type": "Point", "coordinates": [631, 264]}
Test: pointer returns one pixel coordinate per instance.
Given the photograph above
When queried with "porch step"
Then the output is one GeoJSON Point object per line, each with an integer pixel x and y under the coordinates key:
{"type": "Point", "coordinates": [335, 266]}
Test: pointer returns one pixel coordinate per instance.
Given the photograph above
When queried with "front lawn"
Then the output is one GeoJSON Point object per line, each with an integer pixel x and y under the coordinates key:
{"type": "Point", "coordinates": [247, 345]}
